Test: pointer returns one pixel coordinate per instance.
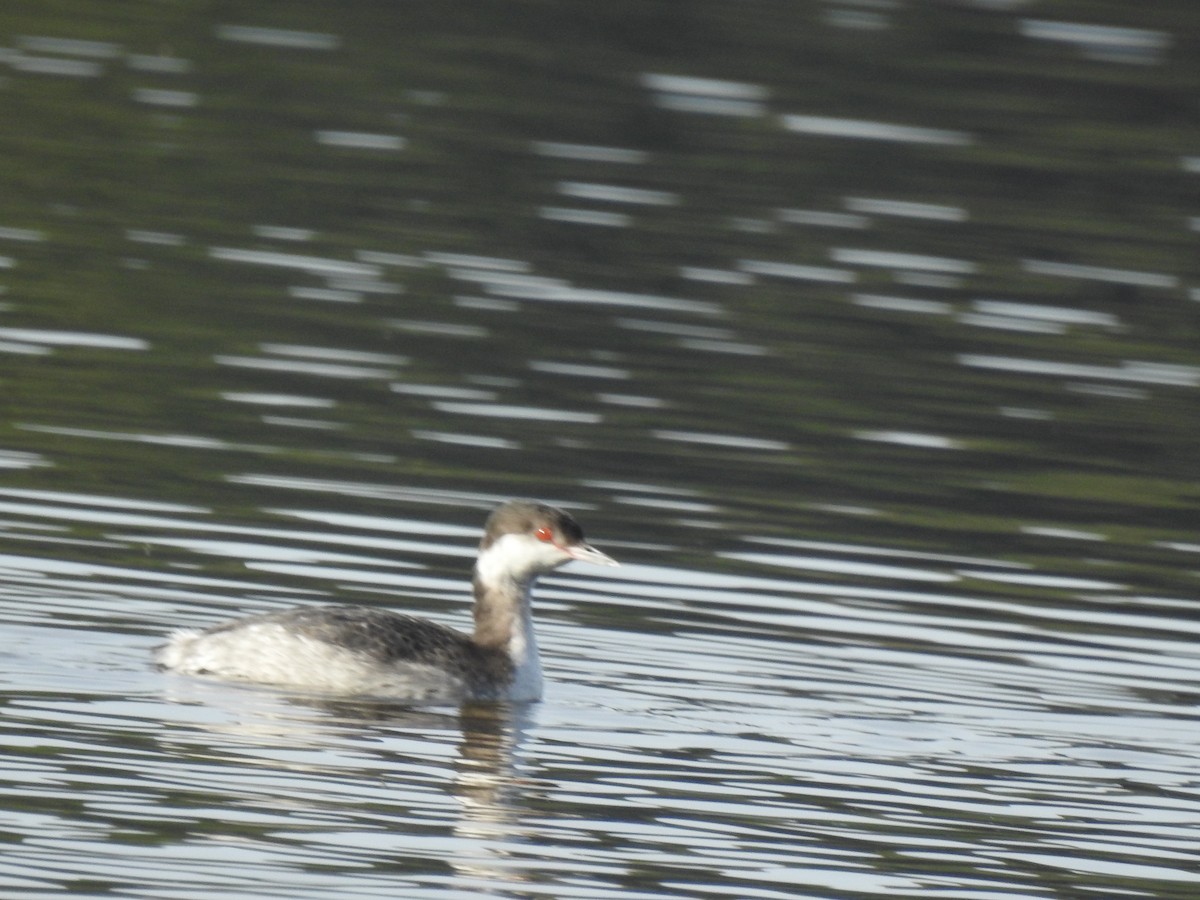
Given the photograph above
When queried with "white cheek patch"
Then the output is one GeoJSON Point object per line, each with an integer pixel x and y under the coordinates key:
{"type": "Point", "coordinates": [517, 557]}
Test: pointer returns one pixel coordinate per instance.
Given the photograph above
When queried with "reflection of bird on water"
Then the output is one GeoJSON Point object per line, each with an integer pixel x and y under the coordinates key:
{"type": "Point", "coordinates": [357, 650]}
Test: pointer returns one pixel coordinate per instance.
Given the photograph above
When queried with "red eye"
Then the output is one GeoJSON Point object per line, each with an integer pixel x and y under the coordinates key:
{"type": "Point", "coordinates": [544, 534]}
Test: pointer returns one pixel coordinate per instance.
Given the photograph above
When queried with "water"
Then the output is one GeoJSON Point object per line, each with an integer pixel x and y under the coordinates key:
{"type": "Point", "coordinates": [863, 336]}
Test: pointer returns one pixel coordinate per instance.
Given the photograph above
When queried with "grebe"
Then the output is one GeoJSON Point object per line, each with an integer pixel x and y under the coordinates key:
{"type": "Point", "coordinates": [371, 652]}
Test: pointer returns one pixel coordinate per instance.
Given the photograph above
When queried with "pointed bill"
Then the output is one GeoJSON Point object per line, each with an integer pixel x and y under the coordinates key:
{"type": "Point", "coordinates": [589, 554]}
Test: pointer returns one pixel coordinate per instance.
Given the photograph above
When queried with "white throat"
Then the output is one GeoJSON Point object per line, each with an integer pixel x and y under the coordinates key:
{"type": "Point", "coordinates": [527, 662]}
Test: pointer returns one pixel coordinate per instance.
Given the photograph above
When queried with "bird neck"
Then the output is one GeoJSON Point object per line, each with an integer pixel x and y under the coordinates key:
{"type": "Point", "coordinates": [502, 608]}
{"type": "Point", "coordinates": [505, 574]}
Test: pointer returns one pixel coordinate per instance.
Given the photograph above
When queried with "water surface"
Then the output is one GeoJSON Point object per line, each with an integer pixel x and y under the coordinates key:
{"type": "Point", "coordinates": [863, 336]}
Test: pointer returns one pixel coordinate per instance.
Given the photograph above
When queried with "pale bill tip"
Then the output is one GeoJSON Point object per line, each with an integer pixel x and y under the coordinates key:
{"type": "Point", "coordinates": [589, 554]}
